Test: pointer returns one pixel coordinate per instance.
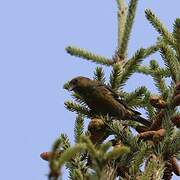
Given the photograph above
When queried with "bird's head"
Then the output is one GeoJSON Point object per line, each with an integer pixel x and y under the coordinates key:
{"type": "Point", "coordinates": [79, 82]}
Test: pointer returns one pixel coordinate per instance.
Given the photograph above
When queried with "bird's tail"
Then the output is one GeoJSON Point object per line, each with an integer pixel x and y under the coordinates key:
{"type": "Point", "coordinates": [142, 120]}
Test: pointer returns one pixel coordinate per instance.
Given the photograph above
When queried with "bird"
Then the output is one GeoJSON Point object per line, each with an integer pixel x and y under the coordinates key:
{"type": "Point", "coordinates": [103, 100]}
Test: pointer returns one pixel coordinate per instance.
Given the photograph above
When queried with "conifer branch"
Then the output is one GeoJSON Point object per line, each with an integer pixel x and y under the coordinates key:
{"type": "Point", "coordinates": [171, 62]}
{"type": "Point", "coordinates": [88, 56]}
{"type": "Point", "coordinates": [138, 160]}
{"type": "Point", "coordinates": [66, 85]}
{"type": "Point", "coordinates": [91, 157]}
{"type": "Point", "coordinates": [135, 95]}
{"type": "Point", "coordinates": [74, 107]}
{"type": "Point", "coordinates": [69, 154]}
{"type": "Point", "coordinates": [108, 172]}
{"type": "Point", "coordinates": [99, 75]}
{"type": "Point", "coordinates": [175, 149]}
{"type": "Point", "coordinates": [131, 66]}
{"type": "Point", "coordinates": [144, 70]}
{"type": "Point", "coordinates": [79, 127]}
{"type": "Point", "coordinates": [117, 152]}
{"type": "Point", "coordinates": [156, 23]}
{"type": "Point", "coordinates": [121, 19]}
{"type": "Point", "coordinates": [164, 72]}
{"type": "Point", "coordinates": [150, 111]}
{"type": "Point", "coordinates": [176, 33]}
{"type": "Point", "coordinates": [63, 143]}
{"type": "Point", "coordinates": [78, 99]}
{"type": "Point", "coordinates": [158, 78]}
{"type": "Point", "coordinates": [154, 170]}
{"type": "Point", "coordinates": [90, 146]}
{"type": "Point", "coordinates": [105, 147]}
{"type": "Point", "coordinates": [125, 135]}
{"type": "Point", "coordinates": [152, 49]}
{"type": "Point", "coordinates": [127, 30]}
{"type": "Point", "coordinates": [115, 76]}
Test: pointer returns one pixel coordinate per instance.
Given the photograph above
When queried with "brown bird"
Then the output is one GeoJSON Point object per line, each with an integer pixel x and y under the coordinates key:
{"type": "Point", "coordinates": [102, 100]}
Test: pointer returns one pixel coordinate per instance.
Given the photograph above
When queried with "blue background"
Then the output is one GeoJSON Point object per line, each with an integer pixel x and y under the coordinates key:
{"type": "Point", "coordinates": [34, 66]}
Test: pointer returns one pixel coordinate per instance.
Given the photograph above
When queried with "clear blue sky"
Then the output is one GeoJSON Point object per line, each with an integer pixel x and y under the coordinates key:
{"type": "Point", "coordinates": [34, 67]}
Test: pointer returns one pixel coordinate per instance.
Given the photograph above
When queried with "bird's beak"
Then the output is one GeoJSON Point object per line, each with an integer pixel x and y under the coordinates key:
{"type": "Point", "coordinates": [71, 88]}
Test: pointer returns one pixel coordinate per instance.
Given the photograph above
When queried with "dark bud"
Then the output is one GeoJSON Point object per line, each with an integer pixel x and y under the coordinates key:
{"type": "Point", "coordinates": [47, 155]}
{"type": "Point", "coordinates": [122, 171]}
{"type": "Point", "coordinates": [54, 175]}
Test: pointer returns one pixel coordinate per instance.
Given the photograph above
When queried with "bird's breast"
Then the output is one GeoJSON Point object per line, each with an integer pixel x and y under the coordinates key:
{"type": "Point", "coordinates": [103, 103]}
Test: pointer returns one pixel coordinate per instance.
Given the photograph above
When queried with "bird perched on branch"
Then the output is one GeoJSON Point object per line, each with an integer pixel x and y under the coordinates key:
{"type": "Point", "coordinates": [102, 100]}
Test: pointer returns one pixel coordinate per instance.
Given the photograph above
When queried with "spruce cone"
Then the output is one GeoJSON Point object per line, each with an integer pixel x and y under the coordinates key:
{"type": "Point", "coordinates": [158, 136]}
{"type": "Point", "coordinates": [141, 129]}
{"type": "Point", "coordinates": [176, 101]}
{"type": "Point", "coordinates": [176, 121]}
{"type": "Point", "coordinates": [148, 135]}
{"type": "Point", "coordinates": [177, 89]}
{"type": "Point", "coordinates": [168, 171]}
{"type": "Point", "coordinates": [157, 102]}
{"type": "Point", "coordinates": [177, 95]}
{"type": "Point", "coordinates": [175, 166]}
{"type": "Point", "coordinates": [178, 86]}
{"type": "Point", "coordinates": [98, 131]}
{"type": "Point", "coordinates": [122, 171]}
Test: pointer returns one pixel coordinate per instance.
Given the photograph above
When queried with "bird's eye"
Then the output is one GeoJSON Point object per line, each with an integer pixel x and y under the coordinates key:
{"type": "Point", "coordinates": [74, 81]}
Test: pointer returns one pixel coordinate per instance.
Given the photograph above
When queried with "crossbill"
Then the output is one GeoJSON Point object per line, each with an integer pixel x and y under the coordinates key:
{"type": "Point", "coordinates": [102, 100]}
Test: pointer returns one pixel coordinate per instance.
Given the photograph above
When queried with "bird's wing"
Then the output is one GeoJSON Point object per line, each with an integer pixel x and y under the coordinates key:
{"type": "Point", "coordinates": [116, 97]}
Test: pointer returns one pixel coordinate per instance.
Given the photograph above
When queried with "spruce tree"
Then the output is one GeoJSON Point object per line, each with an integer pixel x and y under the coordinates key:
{"type": "Point", "coordinates": [111, 148]}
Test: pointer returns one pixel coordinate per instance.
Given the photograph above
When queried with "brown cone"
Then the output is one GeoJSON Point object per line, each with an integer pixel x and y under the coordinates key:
{"type": "Point", "coordinates": [178, 86]}
{"type": "Point", "coordinates": [97, 128]}
{"type": "Point", "coordinates": [176, 121]}
{"type": "Point", "coordinates": [168, 171]}
{"type": "Point", "coordinates": [175, 166]}
{"type": "Point", "coordinates": [156, 125]}
{"type": "Point", "coordinates": [157, 102]}
{"type": "Point", "coordinates": [141, 129]}
{"type": "Point", "coordinates": [122, 170]}
{"type": "Point", "coordinates": [95, 125]}
{"type": "Point", "coordinates": [158, 136]}
{"type": "Point", "coordinates": [148, 135]}
{"type": "Point", "coordinates": [176, 101]}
